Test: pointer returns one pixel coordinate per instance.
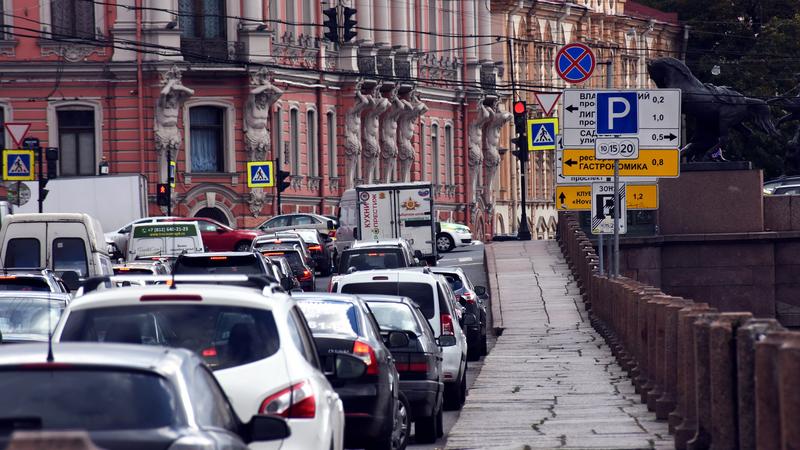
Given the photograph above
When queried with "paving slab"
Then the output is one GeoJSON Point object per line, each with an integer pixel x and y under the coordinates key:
{"type": "Point", "coordinates": [550, 381]}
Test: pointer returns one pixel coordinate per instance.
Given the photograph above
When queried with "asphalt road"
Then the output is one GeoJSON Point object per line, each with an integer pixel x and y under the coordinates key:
{"type": "Point", "coordinates": [470, 259]}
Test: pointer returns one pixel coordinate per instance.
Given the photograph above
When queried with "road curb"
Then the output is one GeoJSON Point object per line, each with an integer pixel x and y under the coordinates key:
{"type": "Point", "coordinates": [494, 292]}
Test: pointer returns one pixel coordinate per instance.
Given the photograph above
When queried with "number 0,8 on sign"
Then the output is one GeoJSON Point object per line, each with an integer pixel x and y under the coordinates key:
{"type": "Point", "coordinates": [616, 148]}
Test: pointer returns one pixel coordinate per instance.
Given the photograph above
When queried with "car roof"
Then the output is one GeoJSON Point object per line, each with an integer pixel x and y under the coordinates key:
{"type": "Point", "coordinates": [385, 298]}
{"type": "Point", "coordinates": [211, 294]}
{"type": "Point", "coordinates": [61, 296]}
{"type": "Point", "coordinates": [213, 254]}
{"type": "Point", "coordinates": [381, 243]}
{"type": "Point", "coordinates": [404, 274]}
{"type": "Point", "coordinates": [161, 360]}
{"type": "Point", "coordinates": [454, 270]}
{"type": "Point", "coordinates": [325, 296]}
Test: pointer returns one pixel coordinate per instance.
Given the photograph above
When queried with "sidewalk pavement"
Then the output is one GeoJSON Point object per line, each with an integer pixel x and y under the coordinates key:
{"type": "Point", "coordinates": [550, 381]}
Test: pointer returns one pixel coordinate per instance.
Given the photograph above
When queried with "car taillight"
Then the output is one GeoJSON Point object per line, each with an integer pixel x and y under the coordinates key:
{"type": "Point", "coordinates": [315, 248]}
{"type": "Point", "coordinates": [306, 275]}
{"type": "Point", "coordinates": [365, 352]}
{"type": "Point", "coordinates": [415, 363]}
{"type": "Point", "coordinates": [469, 297]}
{"type": "Point", "coordinates": [332, 234]}
{"type": "Point", "coordinates": [295, 402]}
{"type": "Point", "coordinates": [447, 324]}
{"type": "Point", "coordinates": [209, 352]}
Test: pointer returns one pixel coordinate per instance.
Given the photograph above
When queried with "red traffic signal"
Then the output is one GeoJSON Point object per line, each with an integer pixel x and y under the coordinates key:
{"type": "Point", "coordinates": [519, 107]}
{"type": "Point", "coordinates": [162, 194]}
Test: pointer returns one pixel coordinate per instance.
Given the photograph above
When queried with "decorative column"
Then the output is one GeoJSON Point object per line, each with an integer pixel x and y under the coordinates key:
{"type": "Point", "coordinates": [485, 30]}
{"type": "Point", "coordinates": [382, 23]}
{"type": "Point", "coordinates": [124, 30]}
{"type": "Point", "coordinates": [167, 136]}
{"type": "Point", "coordinates": [263, 95]}
{"type": "Point", "coordinates": [352, 138]}
{"type": "Point", "coordinates": [158, 30]}
{"type": "Point", "coordinates": [254, 33]}
{"type": "Point", "coordinates": [364, 18]}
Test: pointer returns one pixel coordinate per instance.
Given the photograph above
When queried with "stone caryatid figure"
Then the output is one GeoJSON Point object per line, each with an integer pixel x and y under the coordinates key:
{"type": "Point", "coordinates": [352, 135]}
{"type": "Point", "coordinates": [413, 108]}
{"type": "Point", "coordinates": [263, 95]}
{"type": "Point", "coordinates": [173, 94]}
{"type": "Point", "coordinates": [389, 136]}
{"type": "Point", "coordinates": [475, 144]}
{"type": "Point", "coordinates": [372, 149]}
{"type": "Point", "coordinates": [491, 157]}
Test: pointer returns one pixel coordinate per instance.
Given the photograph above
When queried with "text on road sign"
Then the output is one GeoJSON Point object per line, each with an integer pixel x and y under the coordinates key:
{"type": "Point", "coordinates": [650, 163]}
{"type": "Point", "coordinates": [579, 197]}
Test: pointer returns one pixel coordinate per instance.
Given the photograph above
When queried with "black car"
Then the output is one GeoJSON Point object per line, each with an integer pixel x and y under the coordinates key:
{"type": "Point", "coordinates": [302, 270]}
{"type": "Point", "coordinates": [473, 299]}
{"type": "Point", "coordinates": [318, 245]}
{"type": "Point", "coordinates": [283, 272]}
{"type": "Point", "coordinates": [222, 263]}
{"type": "Point", "coordinates": [376, 412]}
{"type": "Point", "coordinates": [419, 363]}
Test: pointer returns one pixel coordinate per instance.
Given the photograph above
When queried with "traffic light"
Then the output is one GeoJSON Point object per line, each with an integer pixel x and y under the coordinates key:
{"type": "Point", "coordinates": [521, 131]}
{"type": "Point", "coordinates": [162, 194]}
{"type": "Point", "coordinates": [348, 23]}
{"type": "Point", "coordinates": [332, 24]}
{"type": "Point", "coordinates": [282, 183]}
{"type": "Point", "coordinates": [42, 191]}
{"type": "Point", "coordinates": [51, 155]}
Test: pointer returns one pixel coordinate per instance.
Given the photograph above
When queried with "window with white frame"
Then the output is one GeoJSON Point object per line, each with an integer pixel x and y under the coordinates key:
{"type": "Point", "coordinates": [435, 168]}
{"type": "Point", "coordinates": [200, 19]}
{"type": "Point", "coordinates": [294, 140]}
{"type": "Point", "coordinates": [76, 141]}
{"type": "Point", "coordinates": [312, 152]}
{"type": "Point", "coordinates": [72, 18]}
{"type": "Point", "coordinates": [449, 162]}
{"type": "Point", "coordinates": [331, 125]}
{"type": "Point", "coordinates": [207, 138]}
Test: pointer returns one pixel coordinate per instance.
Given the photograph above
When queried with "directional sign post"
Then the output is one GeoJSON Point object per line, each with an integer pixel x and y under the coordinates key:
{"type": "Point", "coordinates": [656, 112]}
{"type": "Point", "coordinates": [604, 212]}
{"type": "Point", "coordinates": [260, 174]}
{"type": "Point", "coordinates": [542, 133]}
{"type": "Point", "coordinates": [575, 63]}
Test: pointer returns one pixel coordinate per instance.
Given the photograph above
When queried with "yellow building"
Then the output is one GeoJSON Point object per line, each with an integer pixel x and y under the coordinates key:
{"type": "Point", "coordinates": [623, 33]}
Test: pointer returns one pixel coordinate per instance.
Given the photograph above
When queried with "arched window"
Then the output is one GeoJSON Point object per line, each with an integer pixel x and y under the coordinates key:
{"type": "Point", "coordinates": [449, 162]}
{"type": "Point", "coordinates": [294, 145]}
{"type": "Point", "coordinates": [207, 138]}
{"type": "Point", "coordinates": [331, 125]}
{"type": "Point", "coordinates": [312, 152]}
{"type": "Point", "coordinates": [435, 168]}
{"type": "Point", "coordinates": [433, 22]}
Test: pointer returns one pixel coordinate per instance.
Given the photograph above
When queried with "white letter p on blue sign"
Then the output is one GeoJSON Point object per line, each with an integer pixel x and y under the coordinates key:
{"type": "Point", "coordinates": [617, 113]}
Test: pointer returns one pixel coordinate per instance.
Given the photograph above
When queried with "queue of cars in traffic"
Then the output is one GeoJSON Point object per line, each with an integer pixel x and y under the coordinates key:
{"type": "Point", "coordinates": [227, 345]}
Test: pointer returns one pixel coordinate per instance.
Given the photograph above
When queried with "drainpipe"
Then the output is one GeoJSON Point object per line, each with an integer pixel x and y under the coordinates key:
{"type": "Point", "coordinates": [322, 174]}
{"type": "Point", "coordinates": [140, 88]}
{"type": "Point", "coordinates": [685, 45]}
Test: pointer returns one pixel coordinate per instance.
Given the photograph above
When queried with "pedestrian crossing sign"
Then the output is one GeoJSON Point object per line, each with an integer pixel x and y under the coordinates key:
{"type": "Point", "coordinates": [260, 174]}
{"type": "Point", "coordinates": [18, 165]}
{"type": "Point", "coordinates": [542, 133]}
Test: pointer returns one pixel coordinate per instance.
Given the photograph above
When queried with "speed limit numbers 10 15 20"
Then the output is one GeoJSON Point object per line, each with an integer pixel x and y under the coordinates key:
{"type": "Point", "coordinates": [616, 148]}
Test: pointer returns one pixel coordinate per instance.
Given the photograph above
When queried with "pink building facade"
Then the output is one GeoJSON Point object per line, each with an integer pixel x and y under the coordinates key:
{"type": "Point", "coordinates": [213, 84]}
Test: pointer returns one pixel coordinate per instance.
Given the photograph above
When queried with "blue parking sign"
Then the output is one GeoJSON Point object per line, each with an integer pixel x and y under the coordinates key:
{"type": "Point", "coordinates": [617, 113]}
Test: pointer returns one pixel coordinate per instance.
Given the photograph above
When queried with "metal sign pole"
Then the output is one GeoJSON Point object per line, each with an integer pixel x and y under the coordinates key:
{"type": "Point", "coordinates": [38, 153]}
{"type": "Point", "coordinates": [617, 210]}
{"type": "Point", "coordinates": [169, 182]}
{"type": "Point", "coordinates": [600, 249]}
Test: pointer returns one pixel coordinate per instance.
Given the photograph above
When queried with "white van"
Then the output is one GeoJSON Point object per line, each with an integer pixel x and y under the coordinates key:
{"type": "Point", "coordinates": [69, 244]}
{"type": "Point", "coordinates": [164, 239]}
{"type": "Point", "coordinates": [437, 303]}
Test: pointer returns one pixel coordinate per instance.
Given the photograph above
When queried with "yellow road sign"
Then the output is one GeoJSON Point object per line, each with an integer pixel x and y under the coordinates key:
{"type": "Point", "coordinates": [579, 197]}
{"type": "Point", "coordinates": [650, 163]}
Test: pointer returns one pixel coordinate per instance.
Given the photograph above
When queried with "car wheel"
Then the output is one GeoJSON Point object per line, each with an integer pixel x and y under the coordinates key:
{"type": "Point", "coordinates": [243, 246]}
{"type": "Point", "coordinates": [462, 389]}
{"type": "Point", "coordinates": [440, 423]}
{"type": "Point", "coordinates": [428, 429]}
{"type": "Point", "coordinates": [444, 243]}
{"type": "Point", "coordinates": [396, 436]}
{"type": "Point", "coordinates": [452, 396]}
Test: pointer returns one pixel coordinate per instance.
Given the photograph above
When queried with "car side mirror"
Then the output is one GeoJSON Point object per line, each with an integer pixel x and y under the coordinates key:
{"type": "Point", "coordinates": [346, 367]}
{"type": "Point", "coordinates": [480, 290]}
{"type": "Point", "coordinates": [447, 340]}
{"type": "Point", "coordinates": [266, 428]}
{"type": "Point", "coordinates": [397, 339]}
{"type": "Point", "coordinates": [418, 254]}
{"type": "Point", "coordinates": [71, 280]}
{"type": "Point", "coordinates": [330, 225]}
{"type": "Point", "coordinates": [470, 319]}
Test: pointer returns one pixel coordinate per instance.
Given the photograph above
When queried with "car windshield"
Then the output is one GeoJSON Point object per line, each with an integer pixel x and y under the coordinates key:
{"type": "Point", "coordinates": [243, 264]}
{"type": "Point", "coordinates": [28, 318]}
{"type": "Point", "coordinates": [25, 283]}
{"type": "Point", "coordinates": [421, 293]}
{"type": "Point", "coordinates": [331, 317]}
{"type": "Point", "coordinates": [85, 398]}
{"type": "Point", "coordinates": [292, 256]}
{"type": "Point", "coordinates": [454, 281]}
{"type": "Point", "coordinates": [371, 259]}
{"type": "Point", "coordinates": [395, 317]}
{"type": "Point", "coordinates": [224, 336]}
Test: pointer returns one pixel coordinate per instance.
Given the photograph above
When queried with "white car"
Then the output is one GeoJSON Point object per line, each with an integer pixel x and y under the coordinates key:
{"type": "Point", "coordinates": [119, 238]}
{"type": "Point", "coordinates": [452, 235]}
{"type": "Point", "coordinates": [262, 352]}
{"type": "Point", "coordinates": [437, 303]}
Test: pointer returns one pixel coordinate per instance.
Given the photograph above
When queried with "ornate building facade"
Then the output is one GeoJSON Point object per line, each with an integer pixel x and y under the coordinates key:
{"type": "Point", "coordinates": [621, 33]}
{"type": "Point", "coordinates": [213, 84]}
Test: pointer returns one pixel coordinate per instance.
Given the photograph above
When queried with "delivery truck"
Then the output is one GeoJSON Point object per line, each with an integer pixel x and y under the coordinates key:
{"type": "Point", "coordinates": [375, 212]}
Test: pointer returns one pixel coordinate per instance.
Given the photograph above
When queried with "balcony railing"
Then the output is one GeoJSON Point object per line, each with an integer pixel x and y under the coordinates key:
{"type": "Point", "coordinates": [211, 50]}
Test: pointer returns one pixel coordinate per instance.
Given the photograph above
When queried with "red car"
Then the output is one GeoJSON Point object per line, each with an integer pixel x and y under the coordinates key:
{"type": "Point", "coordinates": [221, 238]}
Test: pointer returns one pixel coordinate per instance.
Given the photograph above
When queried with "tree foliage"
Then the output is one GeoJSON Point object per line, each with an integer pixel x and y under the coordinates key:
{"type": "Point", "coordinates": [755, 45]}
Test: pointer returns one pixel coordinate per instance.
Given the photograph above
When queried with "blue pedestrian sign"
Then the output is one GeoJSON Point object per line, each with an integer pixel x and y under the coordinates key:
{"type": "Point", "coordinates": [18, 165]}
{"type": "Point", "coordinates": [575, 63]}
{"type": "Point", "coordinates": [617, 113]}
{"type": "Point", "coordinates": [260, 174]}
{"type": "Point", "coordinates": [542, 133]}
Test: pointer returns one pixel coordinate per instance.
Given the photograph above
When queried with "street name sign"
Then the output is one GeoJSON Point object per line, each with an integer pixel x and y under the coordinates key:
{"type": "Point", "coordinates": [616, 147]}
{"type": "Point", "coordinates": [260, 174]}
{"type": "Point", "coordinates": [542, 133]}
{"type": "Point", "coordinates": [603, 209]}
{"type": "Point", "coordinates": [650, 163]}
{"type": "Point", "coordinates": [18, 165]}
{"type": "Point", "coordinates": [579, 197]}
{"type": "Point", "coordinates": [654, 117]}
{"type": "Point", "coordinates": [575, 63]}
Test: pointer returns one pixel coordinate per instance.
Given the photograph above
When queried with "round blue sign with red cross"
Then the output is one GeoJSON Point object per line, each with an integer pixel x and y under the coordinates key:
{"type": "Point", "coordinates": [575, 63]}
